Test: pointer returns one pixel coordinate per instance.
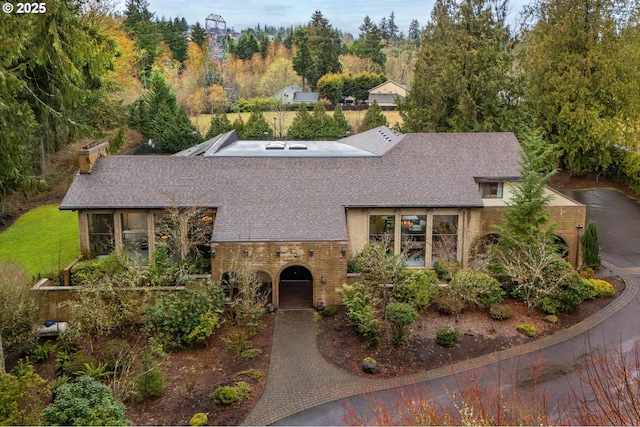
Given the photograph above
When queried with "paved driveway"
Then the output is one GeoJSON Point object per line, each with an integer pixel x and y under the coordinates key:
{"type": "Point", "coordinates": [618, 219]}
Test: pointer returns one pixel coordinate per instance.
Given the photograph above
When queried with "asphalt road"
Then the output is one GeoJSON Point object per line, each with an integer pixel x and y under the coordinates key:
{"type": "Point", "coordinates": [618, 219]}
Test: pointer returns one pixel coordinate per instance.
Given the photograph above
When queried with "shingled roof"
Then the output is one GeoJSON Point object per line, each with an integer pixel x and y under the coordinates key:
{"type": "Point", "coordinates": [301, 199]}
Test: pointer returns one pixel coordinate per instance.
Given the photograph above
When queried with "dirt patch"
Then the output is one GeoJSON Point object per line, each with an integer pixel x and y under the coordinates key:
{"type": "Point", "coordinates": [479, 335]}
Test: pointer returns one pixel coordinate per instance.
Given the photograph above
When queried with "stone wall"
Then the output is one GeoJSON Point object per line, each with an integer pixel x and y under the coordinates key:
{"type": "Point", "coordinates": [565, 218]}
{"type": "Point", "coordinates": [327, 265]}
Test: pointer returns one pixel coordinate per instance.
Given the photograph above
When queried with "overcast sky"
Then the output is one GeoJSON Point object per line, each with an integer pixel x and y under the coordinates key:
{"type": "Point", "coordinates": [345, 15]}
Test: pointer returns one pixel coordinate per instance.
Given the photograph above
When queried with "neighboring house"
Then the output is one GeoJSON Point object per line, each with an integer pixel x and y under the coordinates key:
{"type": "Point", "coordinates": [387, 93]}
{"type": "Point", "coordinates": [294, 95]}
{"type": "Point", "coordinates": [297, 211]}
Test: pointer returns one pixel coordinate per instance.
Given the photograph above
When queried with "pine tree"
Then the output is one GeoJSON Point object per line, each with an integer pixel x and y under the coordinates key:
{"type": "Point", "coordinates": [219, 124]}
{"type": "Point", "coordinates": [341, 126]}
{"type": "Point", "coordinates": [238, 125]}
{"type": "Point", "coordinates": [369, 43]}
{"type": "Point", "coordinates": [257, 127]}
{"type": "Point", "coordinates": [374, 117]}
{"type": "Point", "coordinates": [299, 128]}
{"type": "Point", "coordinates": [590, 246]}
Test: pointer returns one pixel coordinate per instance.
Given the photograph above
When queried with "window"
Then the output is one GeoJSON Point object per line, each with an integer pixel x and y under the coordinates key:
{"type": "Point", "coordinates": [491, 190]}
{"type": "Point", "coordinates": [444, 238]}
{"type": "Point", "coordinates": [414, 237]}
{"type": "Point", "coordinates": [382, 229]}
{"type": "Point", "coordinates": [135, 234]}
{"type": "Point", "coordinates": [101, 234]}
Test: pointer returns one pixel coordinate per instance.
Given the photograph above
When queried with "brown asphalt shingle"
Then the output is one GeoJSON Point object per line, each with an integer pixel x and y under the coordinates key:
{"type": "Point", "coordinates": [291, 199]}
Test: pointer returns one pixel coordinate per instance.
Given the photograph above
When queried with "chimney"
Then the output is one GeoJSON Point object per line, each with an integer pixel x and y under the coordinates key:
{"type": "Point", "coordinates": [89, 155]}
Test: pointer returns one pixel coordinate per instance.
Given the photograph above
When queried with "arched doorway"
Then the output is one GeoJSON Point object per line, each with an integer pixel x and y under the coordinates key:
{"type": "Point", "coordinates": [295, 288]}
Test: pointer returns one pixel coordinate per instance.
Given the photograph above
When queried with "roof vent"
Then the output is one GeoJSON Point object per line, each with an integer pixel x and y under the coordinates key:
{"type": "Point", "coordinates": [297, 147]}
{"type": "Point", "coordinates": [275, 146]}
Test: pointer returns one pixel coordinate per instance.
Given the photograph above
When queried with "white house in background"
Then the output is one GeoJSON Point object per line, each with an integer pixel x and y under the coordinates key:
{"type": "Point", "coordinates": [387, 93]}
{"type": "Point", "coordinates": [294, 95]}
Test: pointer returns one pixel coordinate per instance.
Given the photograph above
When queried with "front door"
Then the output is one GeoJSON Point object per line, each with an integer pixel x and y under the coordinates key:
{"type": "Point", "coordinates": [295, 288]}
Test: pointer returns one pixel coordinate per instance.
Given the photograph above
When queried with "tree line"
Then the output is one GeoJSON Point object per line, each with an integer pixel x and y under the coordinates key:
{"type": "Point", "coordinates": [571, 71]}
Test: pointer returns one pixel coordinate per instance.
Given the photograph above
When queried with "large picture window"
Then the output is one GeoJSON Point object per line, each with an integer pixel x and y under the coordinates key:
{"type": "Point", "coordinates": [101, 234]}
{"type": "Point", "coordinates": [414, 237]}
{"type": "Point", "coordinates": [382, 229]}
{"type": "Point", "coordinates": [444, 238]}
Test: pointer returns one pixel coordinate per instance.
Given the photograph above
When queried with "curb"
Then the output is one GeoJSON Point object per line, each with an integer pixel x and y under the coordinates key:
{"type": "Point", "coordinates": [316, 382]}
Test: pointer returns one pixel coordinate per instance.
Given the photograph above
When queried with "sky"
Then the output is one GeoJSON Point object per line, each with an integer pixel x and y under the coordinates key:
{"type": "Point", "coordinates": [345, 15]}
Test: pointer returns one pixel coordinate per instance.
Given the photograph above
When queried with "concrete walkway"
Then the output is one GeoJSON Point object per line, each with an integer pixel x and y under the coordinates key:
{"type": "Point", "coordinates": [299, 378]}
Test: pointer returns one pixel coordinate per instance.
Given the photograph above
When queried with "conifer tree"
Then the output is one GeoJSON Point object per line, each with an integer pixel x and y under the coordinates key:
{"type": "Point", "coordinates": [374, 117]}
{"type": "Point", "coordinates": [238, 125]}
{"type": "Point", "coordinates": [590, 246]}
{"type": "Point", "coordinates": [582, 64]}
{"type": "Point", "coordinates": [464, 80]}
{"type": "Point", "coordinates": [341, 126]}
{"type": "Point", "coordinates": [300, 129]}
{"type": "Point", "coordinates": [219, 124]}
{"type": "Point", "coordinates": [257, 127]}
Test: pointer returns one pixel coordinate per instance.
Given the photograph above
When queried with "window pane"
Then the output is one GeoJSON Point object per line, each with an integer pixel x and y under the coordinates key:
{"type": "Point", "coordinates": [491, 190]}
{"type": "Point", "coordinates": [101, 234]}
{"type": "Point", "coordinates": [381, 229]}
{"type": "Point", "coordinates": [414, 237]}
{"type": "Point", "coordinates": [134, 234]}
{"type": "Point", "coordinates": [444, 238]}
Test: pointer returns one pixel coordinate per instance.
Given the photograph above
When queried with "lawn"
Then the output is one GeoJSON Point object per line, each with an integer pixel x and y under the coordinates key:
{"type": "Point", "coordinates": [44, 240]}
{"type": "Point", "coordinates": [202, 121]}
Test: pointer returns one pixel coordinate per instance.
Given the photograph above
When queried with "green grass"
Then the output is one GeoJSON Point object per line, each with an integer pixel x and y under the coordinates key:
{"type": "Point", "coordinates": [43, 240]}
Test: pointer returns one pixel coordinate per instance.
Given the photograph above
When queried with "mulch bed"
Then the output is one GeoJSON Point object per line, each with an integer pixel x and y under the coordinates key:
{"type": "Point", "coordinates": [479, 335]}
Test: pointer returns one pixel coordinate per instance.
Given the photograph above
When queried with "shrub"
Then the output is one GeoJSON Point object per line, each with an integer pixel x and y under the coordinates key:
{"type": "Point", "coordinates": [225, 395]}
{"type": "Point", "coordinates": [447, 337]}
{"type": "Point", "coordinates": [22, 396]}
{"type": "Point", "coordinates": [19, 308]}
{"type": "Point", "coordinates": [416, 287]}
{"type": "Point", "coordinates": [447, 269]}
{"type": "Point", "coordinates": [107, 297]}
{"type": "Point", "coordinates": [150, 383]}
{"type": "Point", "coordinates": [475, 288]}
{"type": "Point", "coordinates": [251, 353]}
{"type": "Point", "coordinates": [238, 341]}
{"type": "Point", "coordinates": [199, 419]}
{"type": "Point", "coordinates": [603, 288]}
{"type": "Point", "coordinates": [175, 315]}
{"type": "Point", "coordinates": [569, 297]}
{"type": "Point", "coordinates": [256, 374]}
{"type": "Point", "coordinates": [353, 265]}
{"type": "Point", "coordinates": [116, 354]}
{"type": "Point", "coordinates": [95, 370]}
{"type": "Point", "coordinates": [330, 311]}
{"type": "Point", "coordinates": [42, 352]}
{"type": "Point", "coordinates": [84, 402]}
{"type": "Point", "coordinates": [500, 312]}
{"type": "Point", "coordinates": [209, 322]}
{"type": "Point", "coordinates": [526, 329]}
{"type": "Point", "coordinates": [447, 304]}
{"type": "Point", "coordinates": [400, 315]}
{"type": "Point", "coordinates": [361, 314]}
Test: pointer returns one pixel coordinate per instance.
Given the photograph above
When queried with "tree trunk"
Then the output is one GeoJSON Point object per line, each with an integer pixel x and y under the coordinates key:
{"type": "Point", "coordinates": [2, 368]}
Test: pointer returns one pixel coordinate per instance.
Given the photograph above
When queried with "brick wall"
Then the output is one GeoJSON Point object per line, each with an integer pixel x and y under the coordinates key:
{"type": "Point", "coordinates": [327, 261]}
